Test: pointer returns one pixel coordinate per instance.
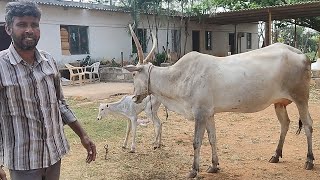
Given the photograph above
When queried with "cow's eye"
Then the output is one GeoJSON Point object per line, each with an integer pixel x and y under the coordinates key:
{"type": "Point", "coordinates": [107, 105]}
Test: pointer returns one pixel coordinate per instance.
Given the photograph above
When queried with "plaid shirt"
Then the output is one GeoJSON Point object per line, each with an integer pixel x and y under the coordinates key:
{"type": "Point", "coordinates": [32, 112]}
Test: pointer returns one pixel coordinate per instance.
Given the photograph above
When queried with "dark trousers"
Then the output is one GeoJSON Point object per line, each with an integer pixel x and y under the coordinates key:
{"type": "Point", "coordinates": [49, 173]}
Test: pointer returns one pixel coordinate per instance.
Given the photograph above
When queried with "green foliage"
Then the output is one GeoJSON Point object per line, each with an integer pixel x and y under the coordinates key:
{"type": "Point", "coordinates": [307, 40]}
{"type": "Point", "coordinates": [160, 58]}
{"type": "Point", "coordinates": [201, 7]}
{"type": "Point", "coordinates": [136, 60]}
{"type": "Point", "coordinates": [312, 56]}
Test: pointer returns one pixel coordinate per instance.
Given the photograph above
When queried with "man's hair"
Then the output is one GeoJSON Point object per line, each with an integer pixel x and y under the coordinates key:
{"type": "Point", "coordinates": [20, 9]}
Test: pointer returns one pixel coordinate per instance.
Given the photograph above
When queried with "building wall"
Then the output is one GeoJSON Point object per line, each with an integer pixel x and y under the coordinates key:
{"type": "Point", "coordinates": [2, 12]}
{"type": "Point", "coordinates": [108, 33]}
{"type": "Point", "coordinates": [220, 37]}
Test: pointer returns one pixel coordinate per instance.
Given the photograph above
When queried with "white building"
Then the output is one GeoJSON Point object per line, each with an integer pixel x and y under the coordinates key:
{"type": "Point", "coordinates": [70, 31]}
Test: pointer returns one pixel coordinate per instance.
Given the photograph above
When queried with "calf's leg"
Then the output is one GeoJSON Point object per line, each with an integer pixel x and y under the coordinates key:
{"type": "Point", "coordinates": [134, 132]}
{"type": "Point", "coordinates": [127, 134]}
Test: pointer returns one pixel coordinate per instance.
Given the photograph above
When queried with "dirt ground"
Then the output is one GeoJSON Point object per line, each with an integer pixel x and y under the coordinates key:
{"type": "Point", "coordinates": [245, 144]}
{"type": "Point", "coordinates": [97, 91]}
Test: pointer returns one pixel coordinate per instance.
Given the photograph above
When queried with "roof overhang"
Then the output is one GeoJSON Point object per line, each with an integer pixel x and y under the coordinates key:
{"type": "Point", "coordinates": [308, 9]}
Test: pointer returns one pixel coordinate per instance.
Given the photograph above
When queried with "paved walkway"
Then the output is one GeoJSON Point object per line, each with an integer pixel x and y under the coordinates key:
{"type": "Point", "coordinates": [97, 91]}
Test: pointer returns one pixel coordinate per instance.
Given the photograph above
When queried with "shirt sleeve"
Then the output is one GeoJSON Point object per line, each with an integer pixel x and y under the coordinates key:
{"type": "Point", "coordinates": [66, 113]}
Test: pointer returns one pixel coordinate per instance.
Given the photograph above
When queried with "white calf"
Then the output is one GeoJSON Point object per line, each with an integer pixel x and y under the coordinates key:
{"type": "Point", "coordinates": [125, 106]}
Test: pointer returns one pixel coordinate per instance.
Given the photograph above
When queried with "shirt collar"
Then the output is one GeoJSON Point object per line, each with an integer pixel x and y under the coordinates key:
{"type": "Point", "coordinates": [15, 58]}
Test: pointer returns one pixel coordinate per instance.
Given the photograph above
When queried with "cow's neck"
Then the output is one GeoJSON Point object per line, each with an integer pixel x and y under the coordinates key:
{"type": "Point", "coordinates": [163, 86]}
{"type": "Point", "coordinates": [161, 81]}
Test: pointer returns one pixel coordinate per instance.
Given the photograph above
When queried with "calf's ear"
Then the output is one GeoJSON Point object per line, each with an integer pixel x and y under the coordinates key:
{"type": "Point", "coordinates": [132, 68]}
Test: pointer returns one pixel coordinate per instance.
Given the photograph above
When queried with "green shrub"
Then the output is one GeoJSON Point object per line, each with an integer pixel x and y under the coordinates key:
{"type": "Point", "coordinates": [160, 58]}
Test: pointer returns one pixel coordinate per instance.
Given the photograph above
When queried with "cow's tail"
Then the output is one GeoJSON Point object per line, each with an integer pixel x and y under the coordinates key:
{"type": "Point", "coordinates": [300, 127]}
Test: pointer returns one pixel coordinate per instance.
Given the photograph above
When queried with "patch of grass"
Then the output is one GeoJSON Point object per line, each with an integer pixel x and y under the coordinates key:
{"type": "Point", "coordinates": [107, 128]}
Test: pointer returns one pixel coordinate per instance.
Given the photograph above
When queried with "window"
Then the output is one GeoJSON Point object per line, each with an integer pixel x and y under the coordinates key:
{"type": "Point", "coordinates": [74, 39]}
{"type": "Point", "coordinates": [208, 37]}
{"type": "Point", "coordinates": [176, 41]}
{"type": "Point", "coordinates": [142, 37]}
{"type": "Point", "coordinates": [249, 41]}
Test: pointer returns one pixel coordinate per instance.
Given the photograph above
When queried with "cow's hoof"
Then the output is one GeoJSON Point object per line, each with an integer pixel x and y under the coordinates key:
{"type": "Point", "coordinates": [308, 165]}
{"type": "Point", "coordinates": [132, 151]}
{"type": "Point", "coordinates": [213, 169]}
{"type": "Point", "coordinates": [274, 159]}
{"type": "Point", "coordinates": [192, 174]}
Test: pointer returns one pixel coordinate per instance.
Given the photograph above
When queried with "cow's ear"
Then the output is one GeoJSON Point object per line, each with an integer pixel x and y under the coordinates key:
{"type": "Point", "coordinates": [132, 68]}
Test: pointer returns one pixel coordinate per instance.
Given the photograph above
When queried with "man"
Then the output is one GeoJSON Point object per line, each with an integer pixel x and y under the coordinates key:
{"type": "Point", "coordinates": [32, 106]}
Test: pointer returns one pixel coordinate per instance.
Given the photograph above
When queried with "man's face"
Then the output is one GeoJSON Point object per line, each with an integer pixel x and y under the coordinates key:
{"type": "Point", "coordinates": [25, 32]}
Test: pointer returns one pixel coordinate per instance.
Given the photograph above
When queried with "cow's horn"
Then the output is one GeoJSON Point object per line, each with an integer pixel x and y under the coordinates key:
{"type": "Point", "coordinates": [138, 45]}
{"type": "Point", "coordinates": [154, 39]}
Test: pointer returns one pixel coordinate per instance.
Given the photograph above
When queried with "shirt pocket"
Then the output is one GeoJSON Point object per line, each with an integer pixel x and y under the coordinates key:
{"type": "Point", "coordinates": [12, 95]}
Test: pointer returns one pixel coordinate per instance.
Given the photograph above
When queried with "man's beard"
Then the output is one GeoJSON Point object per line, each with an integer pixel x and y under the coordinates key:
{"type": "Point", "coordinates": [25, 42]}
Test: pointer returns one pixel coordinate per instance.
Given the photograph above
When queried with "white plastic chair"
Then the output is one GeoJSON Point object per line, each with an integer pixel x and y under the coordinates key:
{"type": "Point", "coordinates": [93, 72]}
{"type": "Point", "coordinates": [76, 72]}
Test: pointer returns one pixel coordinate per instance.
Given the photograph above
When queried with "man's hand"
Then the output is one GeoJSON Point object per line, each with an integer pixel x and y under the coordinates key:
{"type": "Point", "coordinates": [85, 140]}
{"type": "Point", "coordinates": [90, 147]}
{"type": "Point", "coordinates": [2, 174]}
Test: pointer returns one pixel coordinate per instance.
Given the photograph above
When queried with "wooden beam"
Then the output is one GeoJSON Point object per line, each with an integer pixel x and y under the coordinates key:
{"type": "Point", "coordinates": [270, 27]}
{"type": "Point", "coordinates": [295, 34]}
{"type": "Point", "coordinates": [236, 38]}
{"type": "Point", "coordinates": [318, 54]}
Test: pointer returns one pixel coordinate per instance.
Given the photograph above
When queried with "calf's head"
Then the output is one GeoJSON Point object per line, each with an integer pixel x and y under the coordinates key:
{"type": "Point", "coordinates": [103, 111]}
{"type": "Point", "coordinates": [141, 72]}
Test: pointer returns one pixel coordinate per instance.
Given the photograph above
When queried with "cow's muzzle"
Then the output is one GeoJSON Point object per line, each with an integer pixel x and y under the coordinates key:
{"type": "Point", "coordinates": [138, 98]}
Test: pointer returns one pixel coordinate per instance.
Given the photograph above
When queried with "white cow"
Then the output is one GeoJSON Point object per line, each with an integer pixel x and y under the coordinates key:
{"type": "Point", "coordinates": [125, 106]}
{"type": "Point", "coordinates": [200, 85]}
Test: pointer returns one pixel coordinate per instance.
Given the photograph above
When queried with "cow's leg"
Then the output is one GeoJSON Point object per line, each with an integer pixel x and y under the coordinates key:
{"type": "Point", "coordinates": [127, 134]}
{"type": "Point", "coordinates": [284, 120]}
{"type": "Point", "coordinates": [307, 123]}
{"type": "Point", "coordinates": [211, 129]}
{"type": "Point", "coordinates": [158, 131]}
{"type": "Point", "coordinates": [200, 125]}
{"type": "Point", "coordinates": [134, 132]}
{"type": "Point", "coordinates": [157, 128]}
